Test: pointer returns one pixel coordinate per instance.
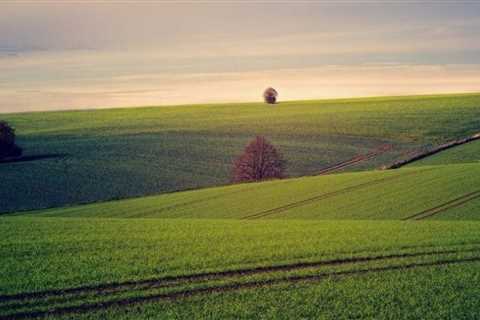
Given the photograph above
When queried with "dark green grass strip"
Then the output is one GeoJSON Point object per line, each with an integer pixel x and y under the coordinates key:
{"type": "Point", "coordinates": [445, 206]}
{"type": "Point", "coordinates": [227, 288]}
{"type": "Point", "coordinates": [330, 195]}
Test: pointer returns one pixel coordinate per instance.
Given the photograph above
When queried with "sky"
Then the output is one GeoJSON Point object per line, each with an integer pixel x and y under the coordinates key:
{"type": "Point", "coordinates": [94, 54]}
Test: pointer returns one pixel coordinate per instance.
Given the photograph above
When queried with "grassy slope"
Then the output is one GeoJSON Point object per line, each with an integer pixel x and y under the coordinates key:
{"type": "Point", "coordinates": [121, 153]}
{"type": "Point", "coordinates": [391, 194]}
{"type": "Point", "coordinates": [60, 253]}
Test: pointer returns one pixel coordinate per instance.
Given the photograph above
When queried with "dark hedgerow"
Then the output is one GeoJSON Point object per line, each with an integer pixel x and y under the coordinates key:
{"type": "Point", "coordinates": [8, 148]}
{"type": "Point", "coordinates": [259, 161]}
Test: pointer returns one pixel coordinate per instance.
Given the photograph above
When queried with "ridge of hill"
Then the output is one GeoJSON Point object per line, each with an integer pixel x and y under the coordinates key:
{"type": "Point", "coordinates": [104, 155]}
{"type": "Point", "coordinates": [446, 191]}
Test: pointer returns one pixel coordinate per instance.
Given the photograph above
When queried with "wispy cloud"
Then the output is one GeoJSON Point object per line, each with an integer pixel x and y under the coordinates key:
{"type": "Point", "coordinates": [62, 55]}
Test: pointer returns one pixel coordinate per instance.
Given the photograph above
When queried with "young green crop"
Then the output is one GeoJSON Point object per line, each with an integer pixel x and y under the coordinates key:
{"type": "Point", "coordinates": [389, 194]}
{"type": "Point", "coordinates": [444, 292]}
{"type": "Point", "coordinates": [111, 154]}
{"type": "Point", "coordinates": [46, 253]}
{"type": "Point", "coordinates": [120, 257]}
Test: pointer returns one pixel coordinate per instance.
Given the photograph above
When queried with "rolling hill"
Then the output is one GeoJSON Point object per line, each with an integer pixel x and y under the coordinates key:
{"type": "Point", "coordinates": [400, 243]}
{"type": "Point", "coordinates": [418, 192]}
{"type": "Point", "coordinates": [90, 156]}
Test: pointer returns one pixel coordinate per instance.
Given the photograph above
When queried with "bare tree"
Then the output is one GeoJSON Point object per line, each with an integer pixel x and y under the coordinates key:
{"type": "Point", "coordinates": [7, 141]}
{"type": "Point", "coordinates": [259, 161]}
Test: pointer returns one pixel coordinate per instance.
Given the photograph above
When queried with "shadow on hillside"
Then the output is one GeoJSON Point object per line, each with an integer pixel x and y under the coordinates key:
{"type": "Point", "coordinates": [33, 158]}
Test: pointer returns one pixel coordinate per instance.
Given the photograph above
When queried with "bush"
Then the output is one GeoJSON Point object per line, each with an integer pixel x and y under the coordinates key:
{"type": "Point", "coordinates": [259, 161]}
{"type": "Point", "coordinates": [8, 148]}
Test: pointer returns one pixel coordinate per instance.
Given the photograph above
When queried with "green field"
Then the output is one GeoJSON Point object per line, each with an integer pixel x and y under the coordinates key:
{"type": "Point", "coordinates": [72, 267]}
{"type": "Point", "coordinates": [100, 155]}
{"type": "Point", "coordinates": [453, 295]}
{"type": "Point", "coordinates": [383, 194]}
{"type": "Point", "coordinates": [361, 244]}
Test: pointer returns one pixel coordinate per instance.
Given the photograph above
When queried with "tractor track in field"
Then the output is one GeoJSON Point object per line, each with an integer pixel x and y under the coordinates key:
{"type": "Point", "coordinates": [331, 194]}
{"type": "Point", "coordinates": [222, 274]}
{"type": "Point", "coordinates": [253, 186]}
{"type": "Point", "coordinates": [382, 149]}
{"type": "Point", "coordinates": [172, 296]}
{"type": "Point", "coordinates": [336, 167]}
{"type": "Point", "coordinates": [112, 289]}
{"type": "Point", "coordinates": [359, 158]}
{"type": "Point", "coordinates": [454, 203]}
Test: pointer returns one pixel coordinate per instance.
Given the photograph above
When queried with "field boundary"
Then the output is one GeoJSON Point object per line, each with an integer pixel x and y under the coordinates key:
{"type": "Point", "coordinates": [424, 154]}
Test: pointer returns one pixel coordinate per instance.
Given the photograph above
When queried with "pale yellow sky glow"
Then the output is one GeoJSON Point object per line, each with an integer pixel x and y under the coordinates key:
{"type": "Point", "coordinates": [55, 56]}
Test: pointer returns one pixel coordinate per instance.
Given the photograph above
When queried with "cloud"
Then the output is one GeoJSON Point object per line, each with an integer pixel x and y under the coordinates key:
{"type": "Point", "coordinates": [71, 54]}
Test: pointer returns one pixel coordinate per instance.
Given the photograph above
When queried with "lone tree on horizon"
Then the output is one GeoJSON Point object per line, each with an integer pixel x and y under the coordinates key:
{"type": "Point", "coordinates": [270, 95]}
{"type": "Point", "coordinates": [8, 148]}
{"type": "Point", "coordinates": [259, 161]}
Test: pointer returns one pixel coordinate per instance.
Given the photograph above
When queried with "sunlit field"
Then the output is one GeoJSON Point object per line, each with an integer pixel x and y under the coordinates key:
{"type": "Point", "coordinates": [94, 268]}
{"type": "Point", "coordinates": [340, 238]}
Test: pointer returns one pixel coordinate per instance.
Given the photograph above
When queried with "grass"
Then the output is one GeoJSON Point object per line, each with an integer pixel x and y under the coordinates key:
{"type": "Point", "coordinates": [121, 153]}
{"type": "Point", "coordinates": [327, 247]}
{"type": "Point", "coordinates": [361, 195]}
{"type": "Point", "coordinates": [41, 254]}
{"type": "Point", "coordinates": [449, 292]}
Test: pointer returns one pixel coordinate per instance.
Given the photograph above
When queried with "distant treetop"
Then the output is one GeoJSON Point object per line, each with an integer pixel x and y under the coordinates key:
{"type": "Point", "coordinates": [270, 95]}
